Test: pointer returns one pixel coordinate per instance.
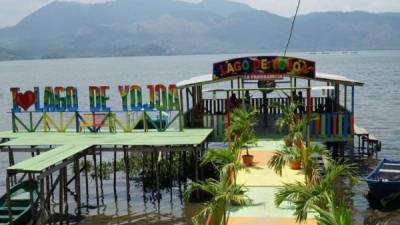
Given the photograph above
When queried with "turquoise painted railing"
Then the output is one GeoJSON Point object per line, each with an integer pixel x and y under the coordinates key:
{"type": "Point", "coordinates": [331, 125]}
{"type": "Point", "coordinates": [217, 122]}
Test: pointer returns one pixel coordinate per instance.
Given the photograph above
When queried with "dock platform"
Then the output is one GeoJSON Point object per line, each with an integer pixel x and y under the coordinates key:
{"type": "Point", "coordinates": [262, 183]}
{"type": "Point", "coordinates": [55, 151]}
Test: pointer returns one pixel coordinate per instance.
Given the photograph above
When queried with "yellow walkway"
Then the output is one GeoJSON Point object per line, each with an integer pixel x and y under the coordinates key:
{"type": "Point", "coordinates": [262, 183]}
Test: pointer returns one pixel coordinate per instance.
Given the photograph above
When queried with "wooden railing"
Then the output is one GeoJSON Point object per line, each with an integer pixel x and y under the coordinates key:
{"type": "Point", "coordinates": [218, 106]}
{"type": "Point", "coordinates": [331, 125]}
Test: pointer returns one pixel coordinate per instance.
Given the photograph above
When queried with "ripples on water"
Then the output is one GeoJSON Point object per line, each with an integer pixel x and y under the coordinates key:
{"type": "Point", "coordinates": [377, 109]}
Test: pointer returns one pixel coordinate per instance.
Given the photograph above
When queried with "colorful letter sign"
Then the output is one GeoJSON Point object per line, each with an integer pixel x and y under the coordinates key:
{"type": "Point", "coordinates": [264, 68]}
{"type": "Point", "coordinates": [63, 99]}
{"type": "Point", "coordinates": [57, 99]}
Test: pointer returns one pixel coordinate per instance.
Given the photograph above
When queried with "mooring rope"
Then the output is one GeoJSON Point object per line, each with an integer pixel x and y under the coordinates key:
{"type": "Point", "coordinates": [291, 28]}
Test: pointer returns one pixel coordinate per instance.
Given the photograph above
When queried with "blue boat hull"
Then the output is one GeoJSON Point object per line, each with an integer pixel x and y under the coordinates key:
{"type": "Point", "coordinates": [383, 188]}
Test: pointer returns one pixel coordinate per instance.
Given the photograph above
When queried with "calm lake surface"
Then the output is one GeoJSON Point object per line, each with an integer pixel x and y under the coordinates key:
{"type": "Point", "coordinates": [377, 109]}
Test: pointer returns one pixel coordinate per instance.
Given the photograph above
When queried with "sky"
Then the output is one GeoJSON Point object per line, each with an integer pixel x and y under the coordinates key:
{"type": "Point", "coordinates": [12, 11]}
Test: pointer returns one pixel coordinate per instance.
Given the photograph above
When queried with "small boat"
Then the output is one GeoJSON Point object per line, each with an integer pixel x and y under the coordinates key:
{"type": "Point", "coordinates": [20, 204]}
{"type": "Point", "coordinates": [384, 180]}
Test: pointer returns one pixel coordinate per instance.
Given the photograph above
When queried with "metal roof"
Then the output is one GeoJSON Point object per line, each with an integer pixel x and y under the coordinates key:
{"type": "Point", "coordinates": [208, 79]}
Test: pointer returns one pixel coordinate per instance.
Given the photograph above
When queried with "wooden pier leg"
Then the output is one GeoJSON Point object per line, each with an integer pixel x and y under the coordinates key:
{"type": "Point", "coordinates": [61, 197]}
{"type": "Point", "coordinates": [127, 168]}
{"type": "Point", "coordinates": [41, 197]}
{"type": "Point", "coordinates": [96, 178]}
{"type": "Point", "coordinates": [78, 185]}
{"type": "Point", "coordinates": [196, 170]}
{"type": "Point", "coordinates": [48, 198]}
{"type": "Point", "coordinates": [30, 178]}
{"type": "Point", "coordinates": [8, 189]}
{"type": "Point", "coordinates": [158, 179]}
{"type": "Point", "coordinates": [171, 156]}
{"type": "Point", "coordinates": [11, 163]}
{"type": "Point", "coordinates": [101, 177]}
{"type": "Point", "coordinates": [86, 183]}
{"type": "Point", "coordinates": [115, 172]}
{"type": "Point", "coordinates": [65, 192]}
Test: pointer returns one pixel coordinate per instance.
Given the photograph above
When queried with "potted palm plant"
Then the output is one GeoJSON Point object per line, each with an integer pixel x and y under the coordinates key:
{"type": "Point", "coordinates": [286, 120]}
{"type": "Point", "coordinates": [283, 156]}
{"type": "Point", "coordinates": [224, 195]}
{"type": "Point", "coordinates": [242, 130]}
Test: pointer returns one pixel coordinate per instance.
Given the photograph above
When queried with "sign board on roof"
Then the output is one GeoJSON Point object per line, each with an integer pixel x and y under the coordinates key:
{"type": "Point", "coordinates": [264, 68]}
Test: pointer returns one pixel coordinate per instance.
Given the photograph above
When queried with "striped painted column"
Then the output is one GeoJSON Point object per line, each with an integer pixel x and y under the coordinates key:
{"type": "Point", "coordinates": [334, 124]}
{"type": "Point", "coordinates": [317, 125]}
{"type": "Point", "coordinates": [323, 124]}
{"type": "Point", "coordinates": [328, 124]}
{"type": "Point", "coordinates": [340, 125]}
{"type": "Point", "coordinates": [346, 124]}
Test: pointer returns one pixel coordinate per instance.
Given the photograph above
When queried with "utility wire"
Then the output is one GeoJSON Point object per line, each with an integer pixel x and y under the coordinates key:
{"type": "Point", "coordinates": [291, 28]}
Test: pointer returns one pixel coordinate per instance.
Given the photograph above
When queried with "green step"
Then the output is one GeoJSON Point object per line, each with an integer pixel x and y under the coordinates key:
{"type": "Point", "coordinates": [15, 210]}
{"type": "Point", "coordinates": [4, 218]}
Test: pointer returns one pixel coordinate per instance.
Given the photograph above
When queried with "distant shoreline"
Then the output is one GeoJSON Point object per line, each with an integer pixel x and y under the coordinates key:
{"type": "Point", "coordinates": [316, 52]}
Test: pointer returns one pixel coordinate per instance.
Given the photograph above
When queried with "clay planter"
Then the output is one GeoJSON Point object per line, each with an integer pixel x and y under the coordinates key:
{"type": "Point", "coordinates": [295, 164]}
{"type": "Point", "coordinates": [248, 160]}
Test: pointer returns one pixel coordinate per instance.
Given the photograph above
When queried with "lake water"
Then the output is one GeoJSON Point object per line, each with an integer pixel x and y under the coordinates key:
{"type": "Point", "coordinates": [377, 109]}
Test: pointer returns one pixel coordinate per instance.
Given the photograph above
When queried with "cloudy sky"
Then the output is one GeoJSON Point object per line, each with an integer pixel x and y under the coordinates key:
{"type": "Point", "coordinates": [12, 11]}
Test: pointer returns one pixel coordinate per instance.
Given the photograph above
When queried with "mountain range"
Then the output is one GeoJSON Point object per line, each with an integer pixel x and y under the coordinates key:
{"type": "Point", "coordinates": [165, 27]}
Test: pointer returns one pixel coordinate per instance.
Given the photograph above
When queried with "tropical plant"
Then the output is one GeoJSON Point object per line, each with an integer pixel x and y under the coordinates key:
{"type": "Point", "coordinates": [241, 129]}
{"type": "Point", "coordinates": [224, 160]}
{"type": "Point", "coordinates": [336, 213]}
{"type": "Point", "coordinates": [307, 197]}
{"type": "Point", "coordinates": [310, 165]}
{"type": "Point", "coordinates": [224, 194]}
{"type": "Point", "coordinates": [287, 120]}
{"type": "Point", "coordinates": [282, 156]}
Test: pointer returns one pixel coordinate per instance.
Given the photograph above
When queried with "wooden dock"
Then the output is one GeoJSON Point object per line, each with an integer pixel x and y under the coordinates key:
{"type": "Point", "coordinates": [368, 144]}
{"type": "Point", "coordinates": [55, 151]}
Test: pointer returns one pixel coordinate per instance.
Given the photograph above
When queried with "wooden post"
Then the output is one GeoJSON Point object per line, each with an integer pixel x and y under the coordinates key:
{"type": "Point", "coordinates": [31, 192]}
{"type": "Point", "coordinates": [86, 180]}
{"type": "Point", "coordinates": [65, 192]}
{"type": "Point", "coordinates": [196, 170]}
{"type": "Point", "coordinates": [238, 85]}
{"type": "Point", "coordinates": [96, 178]}
{"type": "Point", "coordinates": [41, 197]}
{"type": "Point", "coordinates": [61, 197]}
{"type": "Point", "coordinates": [228, 118]}
{"type": "Point", "coordinates": [48, 192]}
{"type": "Point", "coordinates": [78, 186]}
{"type": "Point", "coordinates": [345, 97]}
{"type": "Point", "coordinates": [308, 113]}
{"type": "Point", "coordinates": [8, 189]}
{"type": "Point", "coordinates": [115, 171]}
{"type": "Point", "coordinates": [352, 99]}
{"type": "Point", "coordinates": [158, 177]}
{"type": "Point", "coordinates": [11, 163]}
{"type": "Point", "coordinates": [30, 122]}
{"type": "Point", "coordinates": [101, 174]}
{"type": "Point", "coordinates": [181, 110]}
{"type": "Point", "coordinates": [14, 124]}
{"type": "Point", "coordinates": [127, 168]}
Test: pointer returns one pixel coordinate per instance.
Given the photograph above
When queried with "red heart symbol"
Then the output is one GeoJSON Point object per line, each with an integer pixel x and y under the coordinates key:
{"type": "Point", "coordinates": [25, 100]}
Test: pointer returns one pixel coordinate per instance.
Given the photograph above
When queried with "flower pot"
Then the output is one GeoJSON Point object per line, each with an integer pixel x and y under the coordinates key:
{"type": "Point", "coordinates": [295, 164]}
{"type": "Point", "coordinates": [248, 160]}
